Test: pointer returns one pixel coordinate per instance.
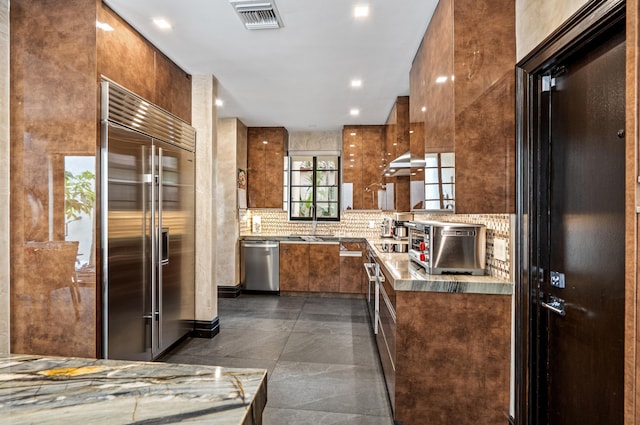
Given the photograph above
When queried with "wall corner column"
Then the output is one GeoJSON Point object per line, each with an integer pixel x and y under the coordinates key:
{"type": "Point", "coordinates": [204, 119]}
{"type": "Point", "coordinates": [4, 178]}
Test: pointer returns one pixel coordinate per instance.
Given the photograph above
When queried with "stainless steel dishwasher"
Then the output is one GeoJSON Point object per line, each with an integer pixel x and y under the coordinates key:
{"type": "Point", "coordinates": [260, 269]}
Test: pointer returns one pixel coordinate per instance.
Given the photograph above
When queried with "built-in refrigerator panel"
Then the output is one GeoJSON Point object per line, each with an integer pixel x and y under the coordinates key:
{"type": "Point", "coordinates": [129, 274]}
{"type": "Point", "coordinates": [176, 301]}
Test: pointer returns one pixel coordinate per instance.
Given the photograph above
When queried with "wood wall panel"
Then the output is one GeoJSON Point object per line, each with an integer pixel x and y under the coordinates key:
{"type": "Point", "coordinates": [115, 52]}
{"type": "Point", "coordinates": [172, 87]}
{"type": "Point", "coordinates": [53, 115]}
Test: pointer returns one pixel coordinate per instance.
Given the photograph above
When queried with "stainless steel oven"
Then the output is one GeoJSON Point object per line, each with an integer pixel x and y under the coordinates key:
{"type": "Point", "coordinates": [441, 247]}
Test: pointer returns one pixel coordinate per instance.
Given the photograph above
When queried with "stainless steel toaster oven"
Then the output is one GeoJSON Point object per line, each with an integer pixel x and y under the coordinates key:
{"type": "Point", "coordinates": [442, 248]}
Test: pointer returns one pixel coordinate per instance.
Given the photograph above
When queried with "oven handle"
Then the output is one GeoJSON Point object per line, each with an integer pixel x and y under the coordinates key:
{"type": "Point", "coordinates": [373, 273]}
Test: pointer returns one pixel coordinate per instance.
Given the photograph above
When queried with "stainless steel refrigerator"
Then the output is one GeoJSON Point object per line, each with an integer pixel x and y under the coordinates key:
{"type": "Point", "coordinates": [147, 227]}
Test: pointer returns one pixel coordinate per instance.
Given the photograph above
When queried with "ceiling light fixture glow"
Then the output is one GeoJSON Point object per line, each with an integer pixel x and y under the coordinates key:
{"type": "Point", "coordinates": [162, 23]}
{"type": "Point", "coordinates": [104, 26]}
{"type": "Point", "coordinates": [354, 112]}
{"type": "Point", "coordinates": [356, 83]}
{"type": "Point", "coordinates": [361, 11]}
{"type": "Point", "coordinates": [441, 79]}
{"type": "Point", "coordinates": [424, 109]}
{"type": "Point", "coordinates": [219, 102]}
{"type": "Point", "coordinates": [353, 134]}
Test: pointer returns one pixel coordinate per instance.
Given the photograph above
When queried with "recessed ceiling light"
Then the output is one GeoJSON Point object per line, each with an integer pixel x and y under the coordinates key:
{"type": "Point", "coordinates": [361, 11]}
{"type": "Point", "coordinates": [219, 102]}
{"type": "Point", "coordinates": [354, 112]}
{"type": "Point", "coordinates": [441, 79]}
{"type": "Point", "coordinates": [104, 26]}
{"type": "Point", "coordinates": [356, 83]}
{"type": "Point", "coordinates": [424, 109]}
{"type": "Point", "coordinates": [162, 23]}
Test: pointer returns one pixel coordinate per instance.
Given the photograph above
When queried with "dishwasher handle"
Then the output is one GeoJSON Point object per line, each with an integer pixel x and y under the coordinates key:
{"type": "Point", "coordinates": [260, 244]}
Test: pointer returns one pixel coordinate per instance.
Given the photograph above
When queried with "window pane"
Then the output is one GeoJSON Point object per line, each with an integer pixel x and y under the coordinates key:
{"type": "Point", "coordinates": [327, 210]}
{"type": "Point", "coordinates": [431, 160]}
{"type": "Point", "coordinates": [448, 175]}
{"type": "Point", "coordinates": [325, 194]}
{"type": "Point", "coordinates": [302, 163]}
{"type": "Point", "coordinates": [326, 178]}
{"type": "Point", "coordinates": [301, 178]}
{"type": "Point", "coordinates": [431, 191]}
{"type": "Point", "coordinates": [448, 159]}
{"type": "Point", "coordinates": [431, 175]}
{"type": "Point", "coordinates": [327, 163]}
{"type": "Point", "coordinates": [300, 209]}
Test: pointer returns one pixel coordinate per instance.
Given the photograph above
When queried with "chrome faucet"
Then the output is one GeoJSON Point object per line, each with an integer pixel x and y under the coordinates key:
{"type": "Point", "coordinates": [314, 222]}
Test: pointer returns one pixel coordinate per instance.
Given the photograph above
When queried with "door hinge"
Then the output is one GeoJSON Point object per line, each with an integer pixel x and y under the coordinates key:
{"type": "Point", "coordinates": [548, 82]}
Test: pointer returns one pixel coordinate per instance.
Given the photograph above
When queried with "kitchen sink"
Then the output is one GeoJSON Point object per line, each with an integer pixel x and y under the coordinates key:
{"type": "Point", "coordinates": [318, 237]}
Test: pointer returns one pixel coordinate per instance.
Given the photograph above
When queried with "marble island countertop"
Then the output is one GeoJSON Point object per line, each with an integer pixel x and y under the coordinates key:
{"type": "Point", "coordinates": [41, 390]}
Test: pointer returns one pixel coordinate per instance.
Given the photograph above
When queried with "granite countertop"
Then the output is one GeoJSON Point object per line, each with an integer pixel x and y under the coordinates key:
{"type": "Point", "coordinates": [406, 276]}
{"type": "Point", "coordinates": [38, 389]}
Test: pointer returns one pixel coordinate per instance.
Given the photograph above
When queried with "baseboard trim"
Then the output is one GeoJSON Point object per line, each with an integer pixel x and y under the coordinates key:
{"type": "Point", "coordinates": [206, 328]}
{"type": "Point", "coordinates": [229, 291]}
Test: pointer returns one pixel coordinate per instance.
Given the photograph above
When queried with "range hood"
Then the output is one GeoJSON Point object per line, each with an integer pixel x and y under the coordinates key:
{"type": "Point", "coordinates": [401, 166]}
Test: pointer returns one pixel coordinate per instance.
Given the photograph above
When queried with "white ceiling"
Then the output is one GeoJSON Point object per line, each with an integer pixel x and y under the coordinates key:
{"type": "Point", "coordinates": [297, 76]}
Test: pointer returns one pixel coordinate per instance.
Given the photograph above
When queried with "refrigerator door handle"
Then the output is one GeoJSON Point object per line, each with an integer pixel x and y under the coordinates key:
{"type": "Point", "coordinates": [164, 246]}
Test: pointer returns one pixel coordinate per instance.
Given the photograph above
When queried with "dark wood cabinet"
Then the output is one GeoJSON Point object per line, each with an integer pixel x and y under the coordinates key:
{"type": "Point", "coordinates": [266, 149]}
{"type": "Point", "coordinates": [362, 167]}
{"type": "Point", "coordinates": [324, 267]}
{"type": "Point", "coordinates": [294, 267]}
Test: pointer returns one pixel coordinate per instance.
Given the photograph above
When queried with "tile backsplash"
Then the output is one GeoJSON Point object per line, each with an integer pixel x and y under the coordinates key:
{"type": "Point", "coordinates": [366, 224]}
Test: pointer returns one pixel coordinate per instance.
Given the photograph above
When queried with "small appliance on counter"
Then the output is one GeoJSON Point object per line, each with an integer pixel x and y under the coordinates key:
{"type": "Point", "coordinates": [393, 246]}
{"type": "Point", "coordinates": [448, 248]}
{"type": "Point", "coordinates": [400, 231]}
{"type": "Point", "coordinates": [386, 229]}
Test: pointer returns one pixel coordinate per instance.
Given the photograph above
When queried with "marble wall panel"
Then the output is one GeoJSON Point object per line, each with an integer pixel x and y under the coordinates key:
{"type": "Point", "coordinates": [114, 50]}
{"type": "Point", "coordinates": [452, 358]}
{"type": "Point", "coordinates": [537, 19]}
{"type": "Point", "coordinates": [227, 228]}
{"type": "Point", "coordinates": [205, 122]}
{"type": "Point", "coordinates": [315, 141]}
{"type": "Point", "coordinates": [4, 177]}
{"type": "Point", "coordinates": [53, 117]}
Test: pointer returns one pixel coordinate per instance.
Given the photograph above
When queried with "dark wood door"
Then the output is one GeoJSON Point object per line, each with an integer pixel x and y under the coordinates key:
{"type": "Point", "coordinates": [578, 242]}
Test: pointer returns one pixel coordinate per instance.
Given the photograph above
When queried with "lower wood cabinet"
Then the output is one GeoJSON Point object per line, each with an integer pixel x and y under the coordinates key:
{"type": "Point", "coordinates": [324, 267]}
{"type": "Point", "coordinates": [294, 267]}
{"type": "Point", "coordinates": [351, 268]}
{"type": "Point", "coordinates": [309, 267]}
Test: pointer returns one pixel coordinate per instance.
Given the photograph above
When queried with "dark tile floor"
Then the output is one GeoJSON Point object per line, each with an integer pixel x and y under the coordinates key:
{"type": "Point", "coordinates": [323, 366]}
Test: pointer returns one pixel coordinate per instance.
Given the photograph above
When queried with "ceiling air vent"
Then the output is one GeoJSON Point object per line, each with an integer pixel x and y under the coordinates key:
{"type": "Point", "coordinates": [256, 14]}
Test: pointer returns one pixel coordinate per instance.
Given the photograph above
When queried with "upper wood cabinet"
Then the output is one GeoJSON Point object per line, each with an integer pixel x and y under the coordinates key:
{"type": "Point", "coordinates": [266, 149]}
{"type": "Point", "coordinates": [362, 164]}
{"type": "Point", "coordinates": [462, 94]}
{"type": "Point", "coordinates": [397, 142]}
